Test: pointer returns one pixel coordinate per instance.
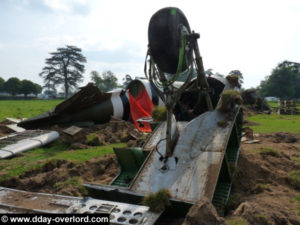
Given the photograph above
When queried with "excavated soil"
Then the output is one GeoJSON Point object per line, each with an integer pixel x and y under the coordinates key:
{"type": "Point", "coordinates": [51, 177]}
{"type": "Point", "coordinates": [115, 131]}
{"type": "Point", "coordinates": [263, 192]}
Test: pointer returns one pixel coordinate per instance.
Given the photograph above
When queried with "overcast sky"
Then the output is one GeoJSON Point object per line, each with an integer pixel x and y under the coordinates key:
{"type": "Point", "coordinates": [252, 36]}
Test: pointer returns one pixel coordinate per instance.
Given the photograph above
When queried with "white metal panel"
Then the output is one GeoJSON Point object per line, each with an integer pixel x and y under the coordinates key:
{"type": "Point", "coordinates": [118, 109]}
{"type": "Point", "coordinates": [27, 144]}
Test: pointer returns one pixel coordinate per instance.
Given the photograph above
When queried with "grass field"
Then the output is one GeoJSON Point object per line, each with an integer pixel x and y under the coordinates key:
{"type": "Point", "coordinates": [275, 123]}
{"type": "Point", "coordinates": [33, 159]}
{"type": "Point", "coordinates": [25, 108]}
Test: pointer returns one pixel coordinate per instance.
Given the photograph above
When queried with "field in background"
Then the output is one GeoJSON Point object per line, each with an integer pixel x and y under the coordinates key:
{"type": "Point", "coordinates": [25, 108]}
{"type": "Point", "coordinates": [275, 123]}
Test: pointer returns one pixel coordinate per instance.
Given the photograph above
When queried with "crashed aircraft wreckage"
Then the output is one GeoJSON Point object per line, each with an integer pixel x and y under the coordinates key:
{"type": "Point", "coordinates": [191, 153]}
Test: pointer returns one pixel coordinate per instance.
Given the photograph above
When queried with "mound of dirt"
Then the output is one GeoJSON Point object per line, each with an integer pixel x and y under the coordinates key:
{"type": "Point", "coordinates": [281, 137]}
{"type": "Point", "coordinates": [64, 177]}
{"type": "Point", "coordinates": [263, 192]}
{"type": "Point", "coordinates": [203, 213]}
{"type": "Point", "coordinates": [115, 131]}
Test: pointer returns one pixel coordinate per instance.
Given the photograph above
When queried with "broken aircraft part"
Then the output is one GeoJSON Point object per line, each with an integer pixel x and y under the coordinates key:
{"type": "Point", "coordinates": [24, 141]}
{"type": "Point", "coordinates": [198, 164]}
{"type": "Point", "coordinates": [92, 105]}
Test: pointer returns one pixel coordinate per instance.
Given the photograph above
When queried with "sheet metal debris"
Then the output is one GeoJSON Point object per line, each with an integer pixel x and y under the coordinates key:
{"type": "Point", "coordinates": [16, 201]}
{"type": "Point", "coordinates": [23, 141]}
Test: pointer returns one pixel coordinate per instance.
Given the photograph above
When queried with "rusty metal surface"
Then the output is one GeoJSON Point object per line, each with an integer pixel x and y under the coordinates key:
{"type": "Point", "coordinates": [199, 153]}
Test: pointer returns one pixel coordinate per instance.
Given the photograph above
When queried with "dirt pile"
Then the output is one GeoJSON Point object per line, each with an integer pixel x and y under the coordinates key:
{"type": "Point", "coordinates": [65, 177]}
{"type": "Point", "coordinates": [203, 213]}
{"type": "Point", "coordinates": [116, 131]}
{"type": "Point", "coordinates": [268, 181]}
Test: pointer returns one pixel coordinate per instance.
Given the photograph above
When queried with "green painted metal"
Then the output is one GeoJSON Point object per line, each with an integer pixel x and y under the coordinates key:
{"type": "Point", "coordinates": [130, 161]}
{"type": "Point", "coordinates": [223, 187]}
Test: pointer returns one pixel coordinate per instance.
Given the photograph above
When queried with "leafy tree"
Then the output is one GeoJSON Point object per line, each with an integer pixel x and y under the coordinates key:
{"type": "Point", "coordinates": [106, 82]}
{"type": "Point", "coordinates": [12, 86]}
{"type": "Point", "coordinates": [65, 66]}
{"type": "Point", "coordinates": [50, 80]}
{"type": "Point", "coordinates": [239, 74]}
{"type": "Point", "coordinates": [27, 87]}
{"type": "Point", "coordinates": [284, 81]}
{"type": "Point", "coordinates": [38, 89]}
{"type": "Point", "coordinates": [2, 81]}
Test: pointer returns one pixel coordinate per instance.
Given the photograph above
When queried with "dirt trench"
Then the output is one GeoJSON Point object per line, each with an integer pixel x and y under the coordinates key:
{"type": "Point", "coordinates": [65, 177]}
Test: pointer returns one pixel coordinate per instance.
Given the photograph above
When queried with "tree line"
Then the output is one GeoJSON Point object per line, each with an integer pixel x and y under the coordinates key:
{"type": "Point", "coordinates": [284, 81]}
{"type": "Point", "coordinates": [15, 86]}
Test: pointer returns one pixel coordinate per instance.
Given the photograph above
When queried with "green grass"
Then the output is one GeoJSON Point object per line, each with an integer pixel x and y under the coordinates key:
{"type": "Point", "coordinates": [294, 179]}
{"type": "Point", "coordinates": [158, 201]}
{"type": "Point", "coordinates": [74, 182]}
{"type": "Point", "coordinates": [265, 151]}
{"type": "Point", "coordinates": [25, 108]}
{"type": "Point", "coordinates": [275, 123]}
{"type": "Point", "coordinates": [36, 158]}
{"type": "Point", "coordinates": [236, 221]}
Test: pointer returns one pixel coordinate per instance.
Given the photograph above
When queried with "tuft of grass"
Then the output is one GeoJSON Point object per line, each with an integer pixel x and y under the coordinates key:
{"type": "Point", "coordinates": [265, 151]}
{"type": "Point", "coordinates": [222, 123]}
{"type": "Point", "coordinates": [275, 123]}
{"type": "Point", "coordinates": [233, 80]}
{"type": "Point", "coordinates": [159, 114]}
{"type": "Point", "coordinates": [74, 182]}
{"type": "Point", "coordinates": [263, 186]}
{"type": "Point", "coordinates": [157, 201]}
{"type": "Point", "coordinates": [229, 98]}
{"type": "Point", "coordinates": [294, 179]}
{"type": "Point", "coordinates": [296, 199]}
{"type": "Point", "coordinates": [236, 221]}
{"type": "Point", "coordinates": [91, 137]}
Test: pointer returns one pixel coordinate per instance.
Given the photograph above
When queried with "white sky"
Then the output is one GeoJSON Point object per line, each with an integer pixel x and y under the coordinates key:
{"type": "Point", "coordinates": [252, 36]}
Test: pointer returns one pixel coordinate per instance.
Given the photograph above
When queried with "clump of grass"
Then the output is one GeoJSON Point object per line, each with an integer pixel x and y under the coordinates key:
{"type": "Point", "coordinates": [159, 113]}
{"type": "Point", "coordinates": [237, 221]}
{"type": "Point", "coordinates": [233, 80]}
{"type": "Point", "coordinates": [157, 201]}
{"type": "Point", "coordinates": [92, 139]}
{"type": "Point", "coordinates": [222, 123]}
{"type": "Point", "coordinates": [265, 151]}
{"type": "Point", "coordinates": [263, 186]}
{"type": "Point", "coordinates": [296, 199]}
{"type": "Point", "coordinates": [228, 99]}
{"type": "Point", "coordinates": [75, 182]}
{"type": "Point", "coordinates": [294, 179]}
